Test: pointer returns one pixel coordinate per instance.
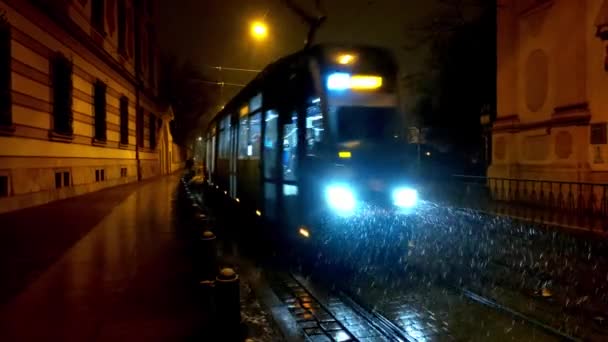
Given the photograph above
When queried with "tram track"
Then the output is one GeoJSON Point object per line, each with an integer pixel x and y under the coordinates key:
{"type": "Point", "coordinates": [392, 330]}
{"type": "Point", "coordinates": [339, 303]}
{"type": "Point", "coordinates": [476, 297]}
{"type": "Point", "coordinates": [387, 327]}
{"type": "Point", "coordinates": [499, 307]}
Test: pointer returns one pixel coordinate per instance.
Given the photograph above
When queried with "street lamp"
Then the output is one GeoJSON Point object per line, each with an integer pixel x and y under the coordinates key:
{"type": "Point", "coordinates": [259, 30]}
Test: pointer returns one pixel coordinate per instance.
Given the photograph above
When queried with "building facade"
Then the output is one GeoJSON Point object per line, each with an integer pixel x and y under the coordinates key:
{"type": "Point", "coordinates": [552, 84]}
{"type": "Point", "coordinates": [78, 99]}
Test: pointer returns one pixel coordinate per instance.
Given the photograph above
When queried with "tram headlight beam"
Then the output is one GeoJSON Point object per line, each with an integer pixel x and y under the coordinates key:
{"type": "Point", "coordinates": [341, 198]}
{"type": "Point", "coordinates": [404, 197]}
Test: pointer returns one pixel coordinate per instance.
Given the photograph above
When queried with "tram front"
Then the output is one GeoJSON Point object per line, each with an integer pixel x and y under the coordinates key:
{"type": "Point", "coordinates": [369, 160]}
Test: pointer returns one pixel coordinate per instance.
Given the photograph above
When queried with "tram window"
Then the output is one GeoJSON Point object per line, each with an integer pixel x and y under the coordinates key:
{"type": "Point", "coordinates": [255, 103]}
{"type": "Point", "coordinates": [243, 137]}
{"type": "Point", "coordinates": [255, 135]}
{"type": "Point", "coordinates": [207, 153]}
{"type": "Point", "coordinates": [373, 123]}
{"type": "Point", "coordinates": [224, 147]}
{"type": "Point", "coordinates": [212, 161]}
{"type": "Point", "coordinates": [270, 143]}
{"type": "Point", "coordinates": [290, 149]}
{"type": "Point", "coordinates": [290, 190]}
{"type": "Point", "coordinates": [314, 129]}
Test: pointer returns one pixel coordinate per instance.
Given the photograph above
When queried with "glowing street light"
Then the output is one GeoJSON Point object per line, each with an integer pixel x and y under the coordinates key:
{"type": "Point", "coordinates": [259, 30]}
{"type": "Point", "coordinates": [346, 59]}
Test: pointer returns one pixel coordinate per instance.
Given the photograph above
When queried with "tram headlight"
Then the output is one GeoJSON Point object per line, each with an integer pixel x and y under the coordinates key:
{"type": "Point", "coordinates": [338, 81]}
{"type": "Point", "coordinates": [340, 198]}
{"type": "Point", "coordinates": [405, 197]}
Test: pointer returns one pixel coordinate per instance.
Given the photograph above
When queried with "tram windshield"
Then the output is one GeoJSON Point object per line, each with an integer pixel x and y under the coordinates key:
{"type": "Point", "coordinates": [365, 123]}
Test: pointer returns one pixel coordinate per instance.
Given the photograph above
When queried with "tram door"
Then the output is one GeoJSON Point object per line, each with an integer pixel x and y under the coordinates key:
{"type": "Point", "coordinates": [281, 166]}
{"type": "Point", "coordinates": [290, 170]}
{"type": "Point", "coordinates": [271, 164]}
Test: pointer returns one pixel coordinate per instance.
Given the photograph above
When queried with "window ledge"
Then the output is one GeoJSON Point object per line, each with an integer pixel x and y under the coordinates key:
{"type": "Point", "coordinates": [7, 130]}
{"type": "Point", "coordinates": [577, 108]}
{"type": "Point", "coordinates": [98, 142]}
{"type": "Point", "coordinates": [123, 146]}
{"type": "Point", "coordinates": [61, 137]}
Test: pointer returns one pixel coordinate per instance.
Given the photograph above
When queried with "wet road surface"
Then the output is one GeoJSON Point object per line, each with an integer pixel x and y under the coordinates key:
{"type": "Point", "coordinates": [430, 312]}
{"type": "Point", "coordinates": [126, 279]}
{"type": "Point", "coordinates": [552, 277]}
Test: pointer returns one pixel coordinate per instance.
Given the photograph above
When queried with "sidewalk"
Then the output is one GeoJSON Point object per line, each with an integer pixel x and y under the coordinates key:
{"type": "Point", "coordinates": [34, 238]}
{"type": "Point", "coordinates": [105, 266]}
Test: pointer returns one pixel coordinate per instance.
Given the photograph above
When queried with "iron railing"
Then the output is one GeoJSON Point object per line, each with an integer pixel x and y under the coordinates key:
{"type": "Point", "coordinates": [579, 204]}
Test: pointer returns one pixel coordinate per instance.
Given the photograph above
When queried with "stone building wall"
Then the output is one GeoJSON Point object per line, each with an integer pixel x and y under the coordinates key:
{"type": "Point", "coordinates": [105, 139]}
{"type": "Point", "coordinates": [552, 106]}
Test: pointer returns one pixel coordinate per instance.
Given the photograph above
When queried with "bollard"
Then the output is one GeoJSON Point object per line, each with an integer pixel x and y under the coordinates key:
{"type": "Point", "coordinates": [228, 304]}
{"type": "Point", "coordinates": [208, 255]}
{"type": "Point", "coordinates": [202, 220]}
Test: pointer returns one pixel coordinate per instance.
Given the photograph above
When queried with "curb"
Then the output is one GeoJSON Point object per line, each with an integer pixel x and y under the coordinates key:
{"type": "Point", "coordinates": [279, 312]}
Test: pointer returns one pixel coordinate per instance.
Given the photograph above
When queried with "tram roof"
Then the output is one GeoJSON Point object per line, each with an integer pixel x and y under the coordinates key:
{"type": "Point", "coordinates": [274, 68]}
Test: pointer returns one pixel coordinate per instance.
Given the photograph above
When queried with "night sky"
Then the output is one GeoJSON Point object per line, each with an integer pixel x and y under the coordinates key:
{"type": "Point", "coordinates": [215, 32]}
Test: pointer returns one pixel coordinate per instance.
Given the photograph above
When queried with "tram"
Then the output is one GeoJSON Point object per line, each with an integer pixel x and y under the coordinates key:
{"type": "Point", "coordinates": [315, 133]}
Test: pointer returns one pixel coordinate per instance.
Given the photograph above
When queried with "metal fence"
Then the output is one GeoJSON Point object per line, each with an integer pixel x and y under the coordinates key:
{"type": "Point", "coordinates": [579, 204]}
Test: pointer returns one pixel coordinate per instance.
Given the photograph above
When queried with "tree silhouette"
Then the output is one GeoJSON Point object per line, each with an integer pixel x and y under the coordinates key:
{"type": "Point", "coordinates": [460, 77]}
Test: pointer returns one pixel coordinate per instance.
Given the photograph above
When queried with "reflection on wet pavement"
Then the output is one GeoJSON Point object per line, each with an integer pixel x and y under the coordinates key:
{"type": "Point", "coordinates": [129, 263]}
{"type": "Point", "coordinates": [428, 312]}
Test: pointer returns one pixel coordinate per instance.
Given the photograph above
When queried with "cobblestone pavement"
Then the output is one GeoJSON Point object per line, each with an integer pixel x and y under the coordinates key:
{"type": "Point", "coordinates": [557, 278]}
{"type": "Point", "coordinates": [428, 312]}
{"type": "Point", "coordinates": [421, 311]}
{"type": "Point", "coordinates": [327, 320]}
{"type": "Point", "coordinates": [553, 277]}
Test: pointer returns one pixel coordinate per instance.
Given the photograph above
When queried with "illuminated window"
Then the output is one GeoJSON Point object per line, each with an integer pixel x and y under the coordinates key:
{"type": "Point", "coordinates": [243, 137]}
{"type": "Point", "coordinates": [224, 147]}
{"type": "Point", "coordinates": [100, 110]}
{"type": "Point", "coordinates": [124, 120]}
{"type": "Point", "coordinates": [212, 156]}
{"type": "Point", "coordinates": [6, 118]}
{"type": "Point", "coordinates": [255, 135]}
{"type": "Point", "coordinates": [97, 15]}
{"type": "Point", "coordinates": [290, 149]}
{"type": "Point", "coordinates": [314, 128]}
{"type": "Point", "coordinates": [62, 95]}
{"type": "Point", "coordinates": [271, 136]}
{"type": "Point", "coordinates": [255, 103]}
